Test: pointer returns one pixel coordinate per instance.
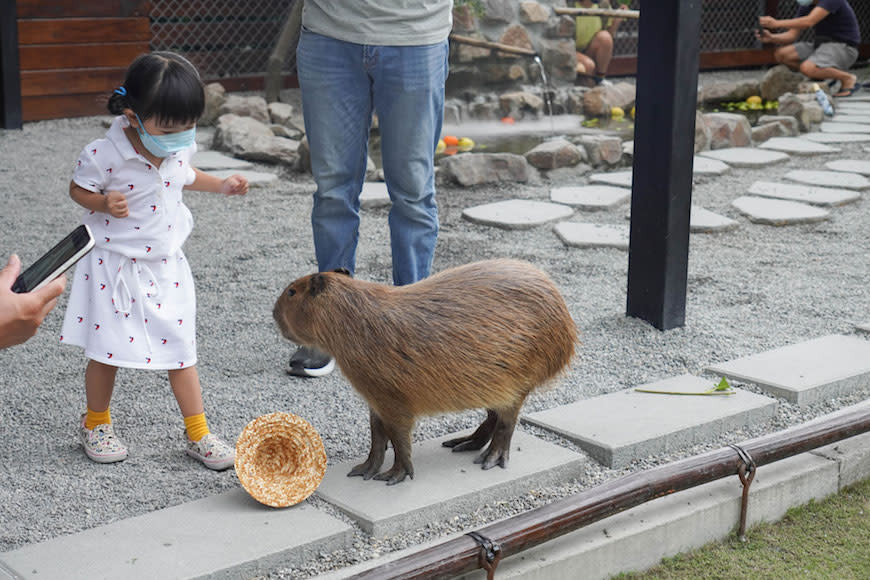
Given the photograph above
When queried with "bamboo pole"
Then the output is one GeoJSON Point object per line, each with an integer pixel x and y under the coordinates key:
{"type": "Point", "coordinates": [609, 12]}
{"type": "Point", "coordinates": [526, 530]}
{"type": "Point", "coordinates": [493, 45]}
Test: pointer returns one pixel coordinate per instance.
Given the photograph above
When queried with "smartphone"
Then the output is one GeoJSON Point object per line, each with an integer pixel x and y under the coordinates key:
{"type": "Point", "coordinates": [56, 261]}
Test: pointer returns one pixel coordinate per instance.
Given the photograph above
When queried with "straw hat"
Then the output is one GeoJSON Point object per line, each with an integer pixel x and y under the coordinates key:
{"type": "Point", "coordinates": [280, 459]}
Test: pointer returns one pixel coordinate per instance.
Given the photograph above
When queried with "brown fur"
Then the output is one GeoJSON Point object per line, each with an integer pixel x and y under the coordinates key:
{"type": "Point", "coordinates": [483, 335]}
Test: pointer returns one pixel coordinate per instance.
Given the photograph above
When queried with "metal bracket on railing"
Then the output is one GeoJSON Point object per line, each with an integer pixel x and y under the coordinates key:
{"type": "Point", "coordinates": [746, 473]}
{"type": "Point", "coordinates": [490, 553]}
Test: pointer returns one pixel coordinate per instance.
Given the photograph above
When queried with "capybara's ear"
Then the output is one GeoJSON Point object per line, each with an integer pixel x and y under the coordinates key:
{"type": "Point", "coordinates": [344, 271]}
{"type": "Point", "coordinates": [316, 284]}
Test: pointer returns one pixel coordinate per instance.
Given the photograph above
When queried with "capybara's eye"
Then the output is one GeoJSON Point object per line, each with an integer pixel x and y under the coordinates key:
{"type": "Point", "coordinates": [291, 292]}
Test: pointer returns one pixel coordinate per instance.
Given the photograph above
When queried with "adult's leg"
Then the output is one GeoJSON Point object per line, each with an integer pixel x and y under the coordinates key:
{"type": "Point", "coordinates": [337, 104]}
{"type": "Point", "coordinates": [832, 60]}
{"type": "Point", "coordinates": [408, 95]}
{"type": "Point", "coordinates": [600, 50]}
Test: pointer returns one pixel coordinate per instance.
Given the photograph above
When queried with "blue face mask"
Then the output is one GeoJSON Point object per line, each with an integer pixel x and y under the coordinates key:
{"type": "Point", "coordinates": [165, 145]}
{"type": "Point", "coordinates": [804, 2]}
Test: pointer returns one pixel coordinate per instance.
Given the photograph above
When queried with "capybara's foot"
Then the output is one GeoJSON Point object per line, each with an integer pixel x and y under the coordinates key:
{"type": "Point", "coordinates": [491, 457]}
{"type": "Point", "coordinates": [395, 474]}
{"type": "Point", "coordinates": [368, 470]}
{"type": "Point", "coordinates": [469, 443]}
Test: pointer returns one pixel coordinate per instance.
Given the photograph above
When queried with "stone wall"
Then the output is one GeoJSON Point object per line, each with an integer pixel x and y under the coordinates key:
{"type": "Point", "coordinates": [525, 24]}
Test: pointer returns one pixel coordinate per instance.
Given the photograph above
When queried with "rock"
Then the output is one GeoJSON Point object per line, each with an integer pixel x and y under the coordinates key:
{"type": "Point", "coordinates": [463, 18]}
{"type": "Point", "coordinates": [554, 154]}
{"type": "Point", "coordinates": [702, 133]}
{"type": "Point", "coordinates": [516, 36]}
{"type": "Point", "coordinates": [788, 122]}
{"type": "Point", "coordinates": [561, 27]}
{"type": "Point", "coordinates": [761, 133]}
{"type": "Point", "coordinates": [498, 10]}
{"type": "Point", "coordinates": [280, 113]}
{"type": "Point", "coordinates": [517, 104]}
{"type": "Point", "coordinates": [475, 168]}
{"type": "Point", "coordinates": [533, 12]}
{"type": "Point", "coordinates": [247, 138]}
{"type": "Point", "coordinates": [254, 107]}
{"type": "Point", "coordinates": [599, 101]}
{"type": "Point", "coordinates": [602, 149]}
{"type": "Point", "coordinates": [778, 81]}
{"type": "Point", "coordinates": [215, 95]}
{"type": "Point", "coordinates": [721, 92]}
{"type": "Point", "coordinates": [728, 130]}
{"type": "Point", "coordinates": [802, 107]}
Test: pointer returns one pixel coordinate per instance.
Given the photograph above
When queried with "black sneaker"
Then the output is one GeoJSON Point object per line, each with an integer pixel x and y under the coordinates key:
{"type": "Point", "coordinates": [310, 362]}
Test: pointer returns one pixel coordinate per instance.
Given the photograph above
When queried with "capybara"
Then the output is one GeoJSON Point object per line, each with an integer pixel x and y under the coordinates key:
{"type": "Point", "coordinates": [483, 335]}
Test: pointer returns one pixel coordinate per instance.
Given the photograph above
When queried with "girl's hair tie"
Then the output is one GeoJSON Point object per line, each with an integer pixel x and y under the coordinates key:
{"type": "Point", "coordinates": [121, 91]}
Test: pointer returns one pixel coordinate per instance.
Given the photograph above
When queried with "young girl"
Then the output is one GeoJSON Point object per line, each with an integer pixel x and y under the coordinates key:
{"type": "Point", "coordinates": [132, 301]}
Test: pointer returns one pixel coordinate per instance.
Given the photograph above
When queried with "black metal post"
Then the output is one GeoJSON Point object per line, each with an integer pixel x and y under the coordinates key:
{"type": "Point", "coordinates": [10, 74]}
{"type": "Point", "coordinates": [661, 198]}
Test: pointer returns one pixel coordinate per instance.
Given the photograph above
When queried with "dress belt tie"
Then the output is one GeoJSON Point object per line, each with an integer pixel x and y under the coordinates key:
{"type": "Point", "coordinates": [132, 272]}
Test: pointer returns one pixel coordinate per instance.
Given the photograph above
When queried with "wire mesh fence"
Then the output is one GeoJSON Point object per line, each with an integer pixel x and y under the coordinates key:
{"type": "Point", "coordinates": [233, 38]}
{"type": "Point", "coordinates": [222, 38]}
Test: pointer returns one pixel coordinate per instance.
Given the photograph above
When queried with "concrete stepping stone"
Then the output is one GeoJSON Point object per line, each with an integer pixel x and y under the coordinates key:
{"type": "Point", "coordinates": [707, 166]}
{"type": "Point", "coordinates": [516, 214]}
{"type": "Point", "coordinates": [746, 156]}
{"type": "Point", "coordinates": [806, 372]}
{"type": "Point", "coordinates": [825, 138]}
{"type": "Point", "coordinates": [621, 427]}
{"type": "Point", "coordinates": [845, 106]}
{"type": "Point", "coordinates": [825, 196]}
{"type": "Point", "coordinates": [865, 326]}
{"type": "Point", "coordinates": [849, 117]}
{"type": "Point", "coordinates": [228, 536]}
{"type": "Point", "coordinates": [446, 483]}
{"type": "Point", "coordinates": [590, 197]}
{"type": "Point", "coordinates": [776, 212]}
{"type": "Point", "coordinates": [859, 166]}
{"type": "Point", "coordinates": [829, 179]}
{"type": "Point", "coordinates": [617, 178]}
{"type": "Point", "coordinates": [844, 128]}
{"type": "Point", "coordinates": [704, 221]}
{"type": "Point", "coordinates": [585, 235]}
{"type": "Point", "coordinates": [861, 97]}
{"type": "Point", "coordinates": [255, 178]}
{"type": "Point", "coordinates": [797, 146]}
{"type": "Point", "coordinates": [374, 194]}
{"type": "Point", "coordinates": [211, 160]}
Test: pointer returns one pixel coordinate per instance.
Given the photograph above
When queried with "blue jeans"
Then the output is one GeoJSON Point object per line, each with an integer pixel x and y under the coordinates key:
{"type": "Point", "coordinates": [342, 84]}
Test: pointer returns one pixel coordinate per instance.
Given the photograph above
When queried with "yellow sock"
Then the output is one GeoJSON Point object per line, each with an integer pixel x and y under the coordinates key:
{"type": "Point", "coordinates": [95, 418]}
{"type": "Point", "coordinates": [196, 426]}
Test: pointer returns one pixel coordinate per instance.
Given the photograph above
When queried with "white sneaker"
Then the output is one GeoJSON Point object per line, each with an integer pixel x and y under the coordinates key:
{"type": "Point", "coordinates": [212, 452]}
{"type": "Point", "coordinates": [101, 444]}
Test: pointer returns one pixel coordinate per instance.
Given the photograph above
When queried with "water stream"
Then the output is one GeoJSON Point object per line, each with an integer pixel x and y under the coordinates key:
{"type": "Point", "coordinates": [546, 91]}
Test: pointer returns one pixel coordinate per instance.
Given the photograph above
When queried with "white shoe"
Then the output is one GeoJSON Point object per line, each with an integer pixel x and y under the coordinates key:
{"type": "Point", "coordinates": [212, 452]}
{"type": "Point", "coordinates": [101, 444]}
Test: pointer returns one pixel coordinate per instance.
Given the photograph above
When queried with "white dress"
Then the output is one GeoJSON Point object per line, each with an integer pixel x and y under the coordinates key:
{"type": "Point", "coordinates": [132, 301]}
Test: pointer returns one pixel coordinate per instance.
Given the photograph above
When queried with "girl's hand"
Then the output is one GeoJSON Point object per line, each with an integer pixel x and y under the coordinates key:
{"type": "Point", "coordinates": [116, 204]}
{"type": "Point", "coordinates": [234, 185]}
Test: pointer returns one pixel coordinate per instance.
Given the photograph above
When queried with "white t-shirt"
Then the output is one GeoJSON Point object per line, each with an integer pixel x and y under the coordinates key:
{"type": "Point", "coordinates": [380, 22]}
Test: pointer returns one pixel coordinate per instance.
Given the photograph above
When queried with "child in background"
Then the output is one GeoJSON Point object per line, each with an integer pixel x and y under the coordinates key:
{"type": "Point", "coordinates": [594, 41]}
{"type": "Point", "coordinates": [132, 302]}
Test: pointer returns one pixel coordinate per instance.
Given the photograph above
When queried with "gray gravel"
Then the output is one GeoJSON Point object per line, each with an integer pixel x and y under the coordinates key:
{"type": "Point", "coordinates": [749, 290]}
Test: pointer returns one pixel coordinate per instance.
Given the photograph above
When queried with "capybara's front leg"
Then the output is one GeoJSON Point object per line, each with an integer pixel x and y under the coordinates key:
{"type": "Point", "coordinates": [373, 463]}
{"type": "Point", "coordinates": [479, 438]}
{"type": "Point", "coordinates": [499, 448]}
{"type": "Point", "coordinates": [399, 432]}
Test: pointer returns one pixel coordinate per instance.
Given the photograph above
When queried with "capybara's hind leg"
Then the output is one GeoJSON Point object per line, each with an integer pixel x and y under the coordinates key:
{"type": "Point", "coordinates": [499, 448]}
{"type": "Point", "coordinates": [479, 438]}
{"type": "Point", "coordinates": [373, 463]}
{"type": "Point", "coordinates": [399, 433]}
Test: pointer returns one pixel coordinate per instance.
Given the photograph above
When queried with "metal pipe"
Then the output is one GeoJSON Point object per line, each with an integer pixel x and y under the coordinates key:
{"type": "Point", "coordinates": [524, 531]}
{"type": "Point", "coordinates": [493, 45]}
{"type": "Point", "coordinates": [610, 12]}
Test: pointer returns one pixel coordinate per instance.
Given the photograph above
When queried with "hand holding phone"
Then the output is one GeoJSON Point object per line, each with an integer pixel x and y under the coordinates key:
{"type": "Point", "coordinates": [21, 314]}
{"type": "Point", "coordinates": [56, 261]}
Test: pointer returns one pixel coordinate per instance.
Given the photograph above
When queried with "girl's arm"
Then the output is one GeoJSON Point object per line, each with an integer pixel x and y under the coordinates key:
{"type": "Point", "coordinates": [112, 202]}
{"type": "Point", "coordinates": [232, 185]}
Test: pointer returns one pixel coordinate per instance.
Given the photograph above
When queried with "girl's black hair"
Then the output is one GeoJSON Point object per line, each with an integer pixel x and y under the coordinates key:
{"type": "Point", "coordinates": [163, 85]}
